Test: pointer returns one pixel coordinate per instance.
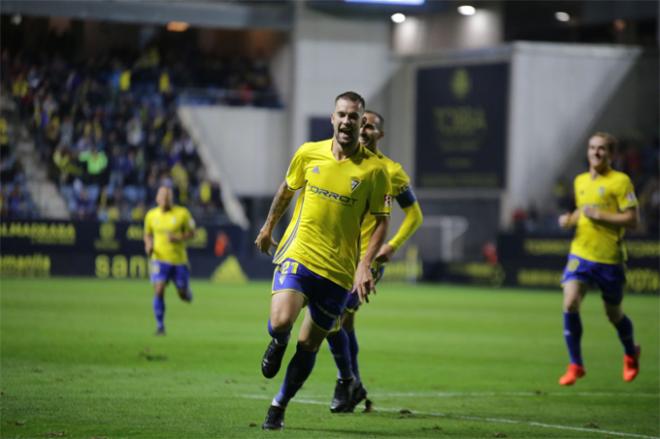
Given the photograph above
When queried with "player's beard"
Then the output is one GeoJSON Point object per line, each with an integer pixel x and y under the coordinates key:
{"type": "Point", "coordinates": [346, 139]}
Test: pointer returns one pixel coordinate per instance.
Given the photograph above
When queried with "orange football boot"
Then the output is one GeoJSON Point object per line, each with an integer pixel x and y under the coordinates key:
{"type": "Point", "coordinates": [573, 372]}
{"type": "Point", "coordinates": [631, 365]}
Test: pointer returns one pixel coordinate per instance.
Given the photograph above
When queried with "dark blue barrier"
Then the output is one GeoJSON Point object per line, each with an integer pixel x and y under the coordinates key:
{"type": "Point", "coordinates": [537, 261]}
{"type": "Point", "coordinates": [116, 250]}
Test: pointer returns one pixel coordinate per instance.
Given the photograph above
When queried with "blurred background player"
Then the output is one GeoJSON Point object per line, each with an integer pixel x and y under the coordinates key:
{"type": "Point", "coordinates": [606, 205]}
{"type": "Point", "coordinates": [167, 228]}
{"type": "Point", "coordinates": [343, 343]}
{"type": "Point", "coordinates": [316, 259]}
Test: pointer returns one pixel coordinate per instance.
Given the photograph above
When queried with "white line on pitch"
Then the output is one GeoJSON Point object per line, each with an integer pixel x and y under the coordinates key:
{"type": "Point", "coordinates": [480, 419]}
{"type": "Point", "coordinates": [534, 394]}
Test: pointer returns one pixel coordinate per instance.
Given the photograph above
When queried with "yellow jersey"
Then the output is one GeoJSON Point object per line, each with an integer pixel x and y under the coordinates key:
{"type": "Point", "coordinates": [595, 240]}
{"type": "Point", "coordinates": [400, 183]}
{"type": "Point", "coordinates": [324, 232]}
{"type": "Point", "coordinates": [161, 224]}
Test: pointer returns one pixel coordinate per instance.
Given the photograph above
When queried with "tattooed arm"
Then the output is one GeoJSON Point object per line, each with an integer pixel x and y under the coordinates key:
{"type": "Point", "coordinates": [280, 203]}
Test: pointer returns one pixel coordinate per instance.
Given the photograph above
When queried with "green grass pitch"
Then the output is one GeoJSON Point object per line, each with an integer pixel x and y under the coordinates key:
{"type": "Point", "coordinates": [79, 360]}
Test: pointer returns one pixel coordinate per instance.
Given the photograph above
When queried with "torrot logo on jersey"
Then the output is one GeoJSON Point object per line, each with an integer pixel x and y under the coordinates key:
{"type": "Point", "coordinates": [333, 196]}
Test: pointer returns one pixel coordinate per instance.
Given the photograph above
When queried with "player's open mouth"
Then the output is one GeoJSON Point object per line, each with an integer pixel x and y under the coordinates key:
{"type": "Point", "coordinates": [346, 133]}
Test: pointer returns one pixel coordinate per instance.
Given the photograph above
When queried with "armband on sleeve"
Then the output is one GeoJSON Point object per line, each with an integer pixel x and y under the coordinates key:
{"type": "Point", "coordinates": [406, 198]}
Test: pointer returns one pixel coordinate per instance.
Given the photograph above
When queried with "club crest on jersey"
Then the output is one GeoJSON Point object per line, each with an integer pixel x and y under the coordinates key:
{"type": "Point", "coordinates": [601, 191]}
{"type": "Point", "coordinates": [316, 170]}
{"type": "Point", "coordinates": [354, 183]}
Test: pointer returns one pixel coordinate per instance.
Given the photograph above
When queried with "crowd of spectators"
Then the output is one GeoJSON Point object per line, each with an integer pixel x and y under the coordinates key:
{"type": "Point", "coordinates": [15, 200]}
{"type": "Point", "coordinates": [109, 131]}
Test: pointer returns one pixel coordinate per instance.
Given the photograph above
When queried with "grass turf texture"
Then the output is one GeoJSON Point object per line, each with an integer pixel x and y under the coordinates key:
{"type": "Point", "coordinates": [79, 359]}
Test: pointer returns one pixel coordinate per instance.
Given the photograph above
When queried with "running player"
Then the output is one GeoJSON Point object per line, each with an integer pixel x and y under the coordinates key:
{"type": "Point", "coordinates": [167, 228]}
{"type": "Point", "coordinates": [317, 259]}
{"type": "Point", "coordinates": [606, 205]}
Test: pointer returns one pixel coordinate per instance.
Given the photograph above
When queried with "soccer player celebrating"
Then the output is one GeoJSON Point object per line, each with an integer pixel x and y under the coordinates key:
{"type": "Point", "coordinates": [317, 258]}
{"type": "Point", "coordinates": [167, 227]}
{"type": "Point", "coordinates": [606, 205]}
{"type": "Point", "coordinates": [349, 390]}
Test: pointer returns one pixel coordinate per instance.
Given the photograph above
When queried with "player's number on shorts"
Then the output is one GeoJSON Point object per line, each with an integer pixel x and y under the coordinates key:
{"type": "Point", "coordinates": [289, 267]}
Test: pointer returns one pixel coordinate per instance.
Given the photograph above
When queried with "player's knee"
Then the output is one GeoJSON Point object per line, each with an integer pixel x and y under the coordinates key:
{"type": "Point", "coordinates": [280, 321]}
{"type": "Point", "coordinates": [572, 305]}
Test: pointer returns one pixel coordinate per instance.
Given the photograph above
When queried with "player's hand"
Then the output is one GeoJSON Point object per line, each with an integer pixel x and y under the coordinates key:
{"type": "Point", "coordinates": [148, 249]}
{"type": "Point", "coordinates": [385, 254]}
{"type": "Point", "coordinates": [265, 241]}
{"type": "Point", "coordinates": [173, 237]}
{"type": "Point", "coordinates": [591, 212]}
{"type": "Point", "coordinates": [363, 283]}
{"type": "Point", "coordinates": [565, 221]}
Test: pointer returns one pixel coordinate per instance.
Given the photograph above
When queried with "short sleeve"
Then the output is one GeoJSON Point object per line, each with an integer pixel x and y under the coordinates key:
{"type": "Point", "coordinates": [295, 175]}
{"type": "Point", "coordinates": [380, 202]}
{"type": "Point", "coordinates": [400, 180]}
{"type": "Point", "coordinates": [625, 195]}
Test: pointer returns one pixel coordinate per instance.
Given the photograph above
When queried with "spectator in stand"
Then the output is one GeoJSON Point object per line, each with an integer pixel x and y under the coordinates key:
{"type": "Point", "coordinates": [20, 90]}
{"type": "Point", "coordinates": [17, 203]}
{"type": "Point", "coordinates": [180, 178]}
{"type": "Point", "coordinates": [134, 131]}
{"type": "Point", "coordinates": [8, 162]}
{"type": "Point", "coordinates": [209, 197]}
{"type": "Point", "coordinates": [66, 165]}
{"type": "Point", "coordinates": [67, 130]}
{"type": "Point", "coordinates": [109, 211]}
{"type": "Point", "coordinates": [84, 206]}
{"type": "Point", "coordinates": [95, 163]}
{"type": "Point", "coordinates": [119, 166]}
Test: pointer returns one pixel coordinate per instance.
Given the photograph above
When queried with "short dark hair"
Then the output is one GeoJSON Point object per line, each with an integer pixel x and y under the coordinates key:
{"type": "Point", "coordinates": [353, 97]}
{"type": "Point", "coordinates": [610, 141]}
{"type": "Point", "coordinates": [381, 119]}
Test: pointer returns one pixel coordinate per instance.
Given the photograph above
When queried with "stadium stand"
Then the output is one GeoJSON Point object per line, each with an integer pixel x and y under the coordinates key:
{"type": "Point", "coordinates": [109, 131]}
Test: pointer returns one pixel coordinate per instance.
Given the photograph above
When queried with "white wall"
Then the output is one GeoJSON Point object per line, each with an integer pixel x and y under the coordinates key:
{"type": "Point", "coordinates": [244, 147]}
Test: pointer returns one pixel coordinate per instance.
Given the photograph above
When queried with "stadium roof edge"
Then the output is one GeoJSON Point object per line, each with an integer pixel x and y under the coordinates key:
{"type": "Point", "coordinates": [277, 16]}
